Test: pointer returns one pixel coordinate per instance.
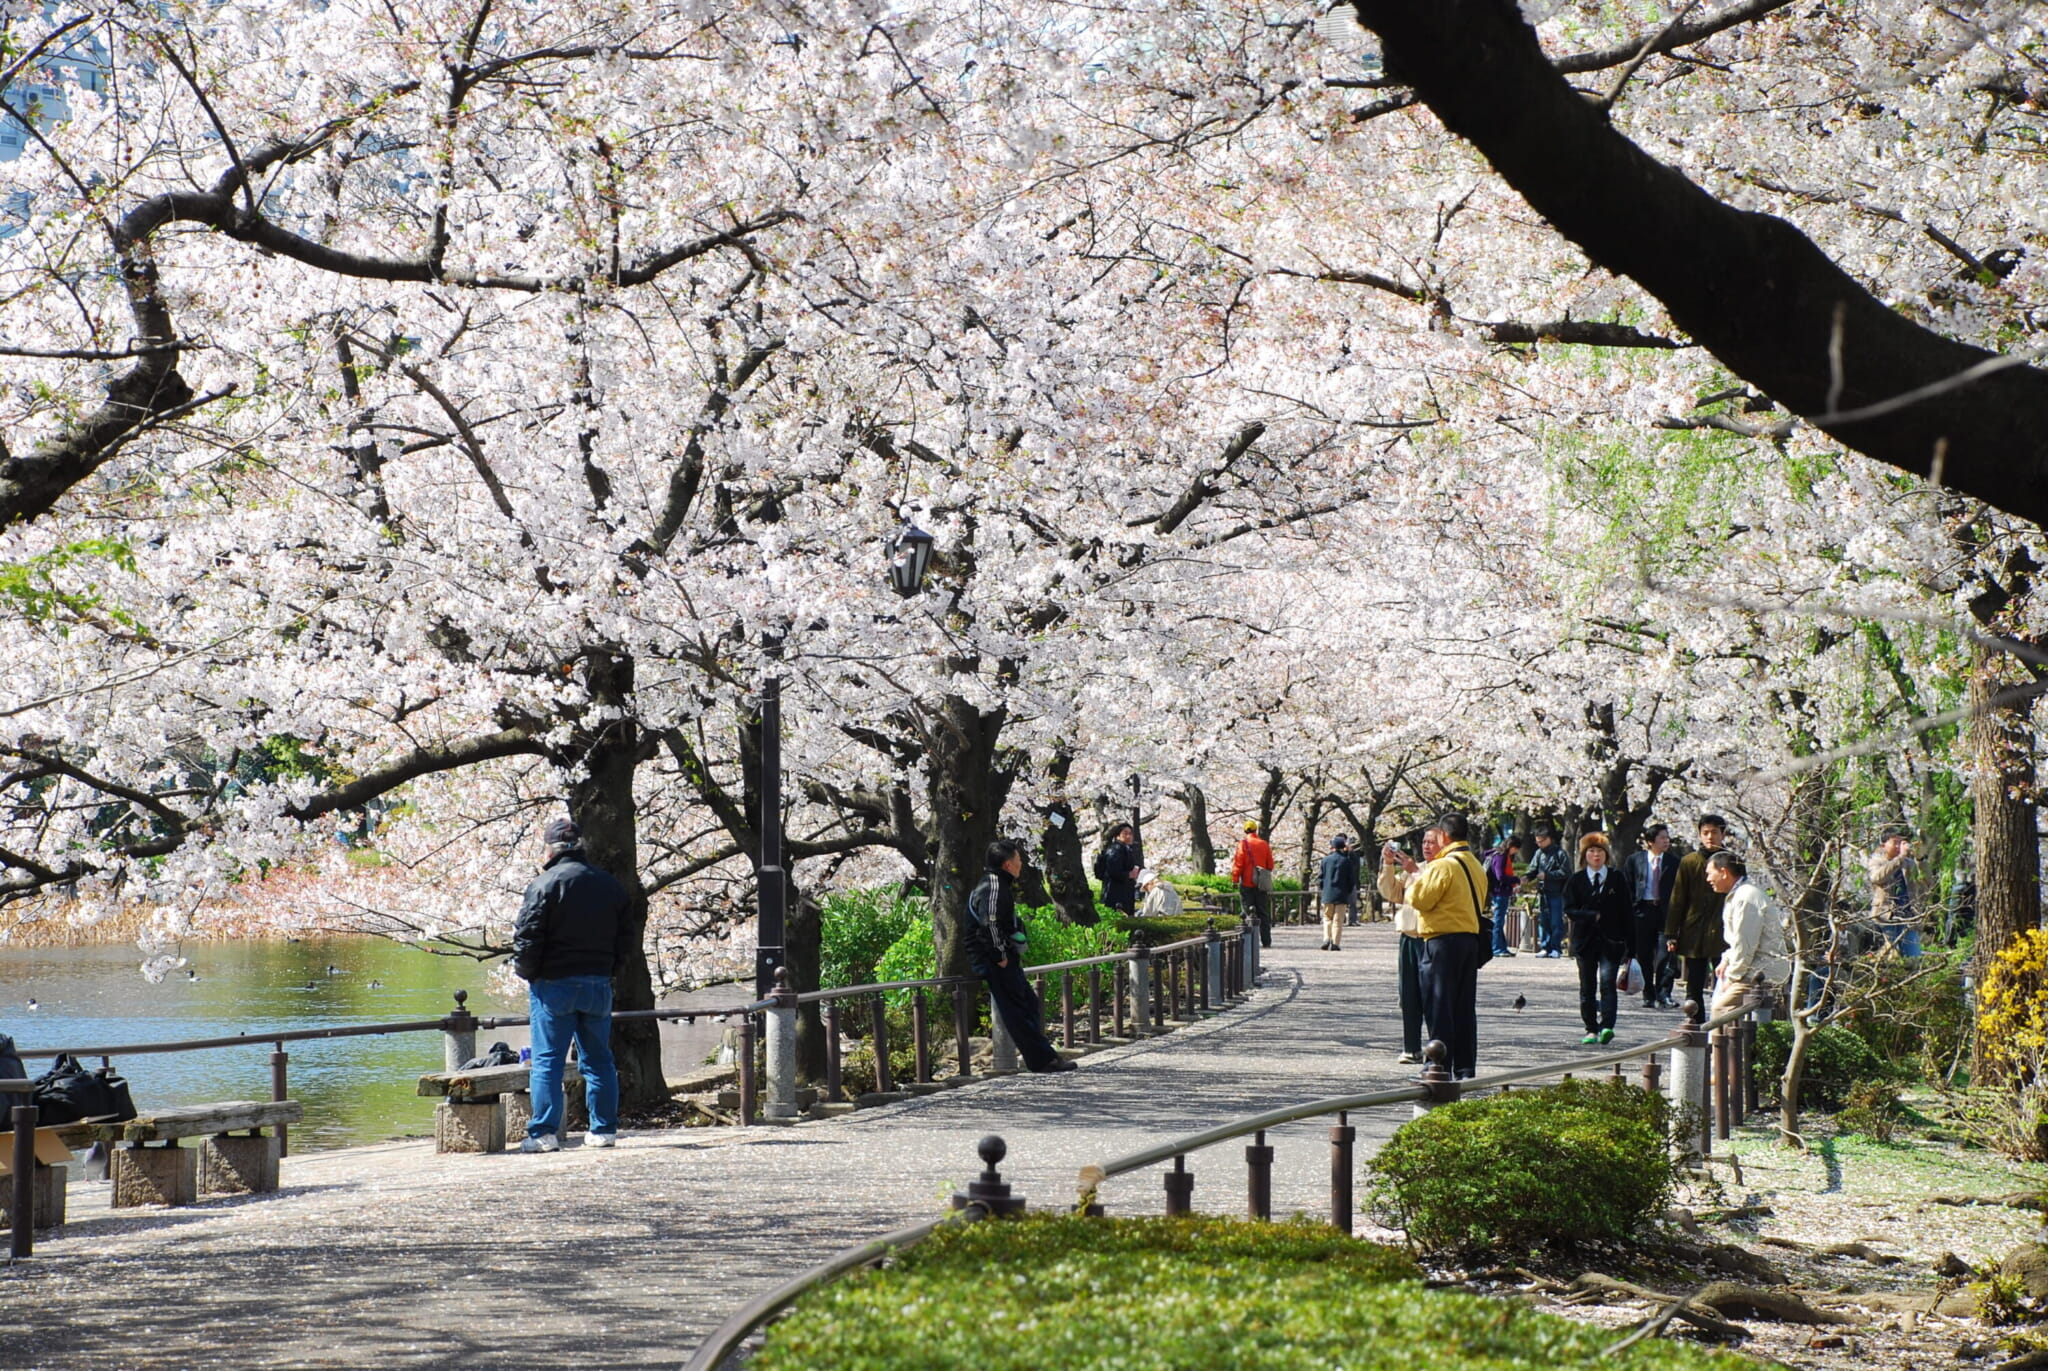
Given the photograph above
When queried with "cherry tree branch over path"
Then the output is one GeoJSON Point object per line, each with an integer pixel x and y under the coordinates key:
{"type": "Point", "coordinates": [1751, 288]}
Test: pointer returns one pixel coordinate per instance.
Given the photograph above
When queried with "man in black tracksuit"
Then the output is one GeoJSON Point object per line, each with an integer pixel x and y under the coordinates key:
{"type": "Point", "coordinates": [995, 949]}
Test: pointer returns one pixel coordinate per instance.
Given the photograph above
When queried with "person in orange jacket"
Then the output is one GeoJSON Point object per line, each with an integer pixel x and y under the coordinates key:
{"type": "Point", "coordinates": [1252, 868]}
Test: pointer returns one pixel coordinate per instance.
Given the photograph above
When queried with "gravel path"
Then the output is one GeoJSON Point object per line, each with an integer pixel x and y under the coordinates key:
{"type": "Point", "coordinates": [389, 1256]}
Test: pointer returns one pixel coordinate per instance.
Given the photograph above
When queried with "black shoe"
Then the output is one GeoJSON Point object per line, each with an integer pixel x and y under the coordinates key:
{"type": "Point", "coordinates": [1058, 1064]}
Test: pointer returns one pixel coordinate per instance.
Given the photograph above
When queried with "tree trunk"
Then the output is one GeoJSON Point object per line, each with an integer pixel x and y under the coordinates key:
{"type": "Point", "coordinates": [2002, 795]}
{"type": "Point", "coordinates": [1813, 934]}
{"type": "Point", "coordinates": [601, 802]}
{"type": "Point", "coordinates": [1200, 845]}
{"type": "Point", "coordinates": [1066, 864]}
{"type": "Point", "coordinates": [968, 785]}
{"type": "Point", "coordinates": [1311, 821]}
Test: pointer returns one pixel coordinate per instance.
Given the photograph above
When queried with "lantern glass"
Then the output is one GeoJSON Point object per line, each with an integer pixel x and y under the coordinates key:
{"type": "Point", "coordinates": [910, 558]}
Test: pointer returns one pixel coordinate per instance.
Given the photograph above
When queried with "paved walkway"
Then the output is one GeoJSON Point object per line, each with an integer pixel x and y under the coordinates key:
{"type": "Point", "coordinates": [390, 1256]}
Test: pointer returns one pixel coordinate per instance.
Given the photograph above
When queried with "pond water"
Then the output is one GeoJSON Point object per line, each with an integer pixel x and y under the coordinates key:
{"type": "Point", "coordinates": [354, 1089]}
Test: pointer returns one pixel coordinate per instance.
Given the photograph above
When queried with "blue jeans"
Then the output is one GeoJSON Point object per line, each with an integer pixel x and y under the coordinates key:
{"type": "Point", "coordinates": [1501, 905]}
{"type": "Point", "coordinates": [1550, 927]}
{"type": "Point", "coordinates": [578, 1007]}
{"type": "Point", "coordinates": [1904, 937]}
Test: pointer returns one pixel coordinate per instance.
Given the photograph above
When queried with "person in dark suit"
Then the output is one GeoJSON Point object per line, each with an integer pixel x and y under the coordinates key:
{"type": "Point", "coordinates": [1600, 913]}
{"type": "Point", "coordinates": [1649, 874]}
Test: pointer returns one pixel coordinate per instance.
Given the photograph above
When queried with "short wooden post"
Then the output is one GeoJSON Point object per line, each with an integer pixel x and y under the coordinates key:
{"type": "Point", "coordinates": [1094, 1004]}
{"type": "Point", "coordinates": [1652, 1074]}
{"type": "Point", "coordinates": [1343, 1142]}
{"type": "Point", "coordinates": [963, 1029]}
{"type": "Point", "coordinates": [1258, 1161]}
{"type": "Point", "coordinates": [920, 1038]}
{"type": "Point", "coordinates": [746, 1050]}
{"type": "Point", "coordinates": [24, 1163]}
{"type": "Point", "coordinates": [1180, 1189]}
{"type": "Point", "coordinates": [835, 1074]}
{"type": "Point", "coordinates": [1119, 986]}
{"type": "Point", "coordinates": [884, 1080]}
{"type": "Point", "coordinates": [1723, 1078]}
{"type": "Point", "coordinates": [1067, 1036]}
{"type": "Point", "coordinates": [280, 1090]}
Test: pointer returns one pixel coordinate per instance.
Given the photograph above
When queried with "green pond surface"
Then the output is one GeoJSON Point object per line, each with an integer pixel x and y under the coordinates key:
{"type": "Point", "coordinates": [354, 1089]}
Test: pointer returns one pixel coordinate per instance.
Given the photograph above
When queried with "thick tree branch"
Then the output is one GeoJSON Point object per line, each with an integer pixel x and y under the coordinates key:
{"type": "Point", "coordinates": [512, 742]}
{"type": "Point", "coordinates": [1751, 288]}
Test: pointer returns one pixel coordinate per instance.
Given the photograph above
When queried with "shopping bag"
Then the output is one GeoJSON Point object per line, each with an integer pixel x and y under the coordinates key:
{"type": "Point", "coordinates": [1630, 981]}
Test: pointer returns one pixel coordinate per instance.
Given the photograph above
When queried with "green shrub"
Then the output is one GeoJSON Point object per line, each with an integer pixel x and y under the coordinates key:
{"type": "Point", "coordinates": [1835, 1060]}
{"type": "Point", "coordinates": [858, 927]}
{"type": "Point", "coordinates": [913, 956]}
{"type": "Point", "coordinates": [1871, 1108]}
{"type": "Point", "coordinates": [1199, 1294]}
{"type": "Point", "coordinates": [1159, 932]}
{"type": "Point", "coordinates": [1221, 885]}
{"type": "Point", "coordinates": [1915, 1015]}
{"type": "Point", "coordinates": [1582, 1160]}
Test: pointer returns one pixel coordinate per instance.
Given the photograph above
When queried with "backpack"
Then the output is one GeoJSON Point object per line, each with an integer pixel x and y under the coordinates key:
{"type": "Point", "coordinates": [11, 1069]}
{"type": "Point", "coordinates": [1102, 865]}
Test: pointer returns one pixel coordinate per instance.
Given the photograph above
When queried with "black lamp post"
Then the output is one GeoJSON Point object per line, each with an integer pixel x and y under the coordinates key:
{"type": "Point", "coordinates": [1137, 833]}
{"type": "Point", "coordinates": [910, 556]}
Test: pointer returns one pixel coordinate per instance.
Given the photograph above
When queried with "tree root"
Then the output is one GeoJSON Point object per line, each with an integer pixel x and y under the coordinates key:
{"type": "Point", "coordinates": [1728, 1298]}
{"type": "Point", "coordinates": [1595, 1288]}
{"type": "Point", "coordinates": [2017, 1199]}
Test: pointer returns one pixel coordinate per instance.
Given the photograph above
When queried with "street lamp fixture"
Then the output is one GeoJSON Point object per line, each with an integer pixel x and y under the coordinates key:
{"type": "Point", "coordinates": [910, 556]}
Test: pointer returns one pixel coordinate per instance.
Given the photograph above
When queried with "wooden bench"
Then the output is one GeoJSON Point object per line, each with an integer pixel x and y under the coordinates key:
{"type": "Point", "coordinates": [237, 1157]}
{"type": "Point", "coordinates": [52, 1157]}
{"type": "Point", "coordinates": [479, 1108]}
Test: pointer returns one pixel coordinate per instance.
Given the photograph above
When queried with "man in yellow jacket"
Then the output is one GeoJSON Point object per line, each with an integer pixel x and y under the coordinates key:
{"type": "Point", "coordinates": [1447, 895]}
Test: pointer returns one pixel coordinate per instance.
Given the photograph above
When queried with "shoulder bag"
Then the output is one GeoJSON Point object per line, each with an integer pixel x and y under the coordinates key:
{"type": "Point", "coordinates": [1485, 919]}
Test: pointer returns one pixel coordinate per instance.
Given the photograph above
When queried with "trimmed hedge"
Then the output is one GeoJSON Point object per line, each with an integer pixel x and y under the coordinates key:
{"type": "Point", "coordinates": [1200, 1294]}
{"type": "Point", "coordinates": [1576, 1161]}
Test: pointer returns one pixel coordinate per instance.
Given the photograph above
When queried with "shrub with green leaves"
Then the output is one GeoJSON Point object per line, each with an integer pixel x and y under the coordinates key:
{"type": "Point", "coordinates": [1835, 1060]}
{"type": "Point", "coordinates": [1581, 1160]}
{"type": "Point", "coordinates": [858, 927]}
{"type": "Point", "coordinates": [1197, 1294]}
{"type": "Point", "coordinates": [913, 956]}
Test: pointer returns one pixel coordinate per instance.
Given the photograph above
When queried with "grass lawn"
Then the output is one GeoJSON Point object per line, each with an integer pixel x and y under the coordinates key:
{"type": "Point", "coordinates": [1152, 1294]}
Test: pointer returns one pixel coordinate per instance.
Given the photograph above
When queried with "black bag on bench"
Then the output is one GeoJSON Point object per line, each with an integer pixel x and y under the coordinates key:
{"type": "Point", "coordinates": [67, 1092]}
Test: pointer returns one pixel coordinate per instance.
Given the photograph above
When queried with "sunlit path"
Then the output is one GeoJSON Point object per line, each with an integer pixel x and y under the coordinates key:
{"type": "Point", "coordinates": [392, 1256]}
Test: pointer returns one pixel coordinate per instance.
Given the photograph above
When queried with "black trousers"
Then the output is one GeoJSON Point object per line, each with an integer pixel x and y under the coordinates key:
{"type": "Point", "coordinates": [1599, 963]}
{"type": "Point", "coordinates": [1699, 980]}
{"type": "Point", "coordinates": [1450, 997]}
{"type": "Point", "coordinates": [1259, 904]}
{"type": "Point", "coordinates": [1658, 973]}
{"type": "Point", "coordinates": [1410, 967]}
{"type": "Point", "coordinates": [1022, 1015]}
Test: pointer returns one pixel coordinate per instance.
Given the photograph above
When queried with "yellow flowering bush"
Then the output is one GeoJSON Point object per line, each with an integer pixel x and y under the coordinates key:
{"type": "Point", "coordinates": [2012, 1005]}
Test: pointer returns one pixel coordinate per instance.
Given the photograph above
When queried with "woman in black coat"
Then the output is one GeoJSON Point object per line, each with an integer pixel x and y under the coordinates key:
{"type": "Point", "coordinates": [1600, 914]}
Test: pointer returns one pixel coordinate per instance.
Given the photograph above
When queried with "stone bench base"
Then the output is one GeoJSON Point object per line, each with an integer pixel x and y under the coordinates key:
{"type": "Point", "coordinates": [481, 1125]}
{"type": "Point", "coordinates": [172, 1174]}
{"type": "Point", "coordinates": [48, 1197]}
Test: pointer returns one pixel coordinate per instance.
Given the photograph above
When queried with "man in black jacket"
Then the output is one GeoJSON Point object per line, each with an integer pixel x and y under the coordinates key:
{"type": "Point", "coordinates": [1651, 872]}
{"type": "Point", "coordinates": [1118, 870]}
{"type": "Point", "coordinates": [571, 938]}
{"type": "Point", "coordinates": [995, 949]}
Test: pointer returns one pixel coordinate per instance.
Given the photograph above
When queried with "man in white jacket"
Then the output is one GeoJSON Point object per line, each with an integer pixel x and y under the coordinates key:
{"type": "Point", "coordinates": [1753, 926]}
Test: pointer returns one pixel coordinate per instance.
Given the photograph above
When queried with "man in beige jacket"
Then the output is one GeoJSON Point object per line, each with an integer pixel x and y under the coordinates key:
{"type": "Point", "coordinates": [1753, 926]}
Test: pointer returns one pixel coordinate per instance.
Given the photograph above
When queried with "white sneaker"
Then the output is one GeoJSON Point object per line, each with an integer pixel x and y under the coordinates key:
{"type": "Point", "coordinates": [1406, 1059]}
{"type": "Point", "coordinates": [600, 1140]}
{"type": "Point", "coordinates": [541, 1142]}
